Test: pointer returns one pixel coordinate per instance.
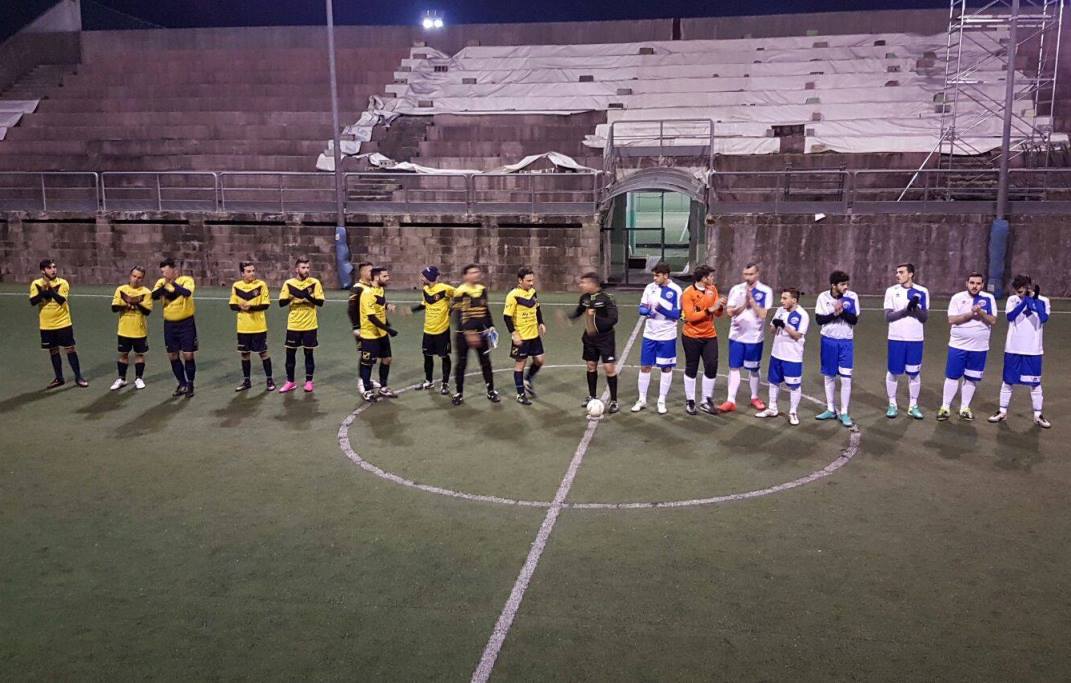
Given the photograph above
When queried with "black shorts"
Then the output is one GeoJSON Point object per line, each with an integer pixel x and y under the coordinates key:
{"type": "Point", "coordinates": [252, 342]}
{"type": "Point", "coordinates": [180, 335]}
{"type": "Point", "coordinates": [599, 347]}
{"type": "Point", "coordinates": [696, 348]}
{"type": "Point", "coordinates": [526, 349]}
{"type": "Point", "coordinates": [373, 349]}
{"type": "Point", "coordinates": [135, 344]}
{"type": "Point", "coordinates": [463, 342]}
{"type": "Point", "coordinates": [54, 339]}
{"type": "Point", "coordinates": [436, 344]}
{"type": "Point", "coordinates": [306, 338]}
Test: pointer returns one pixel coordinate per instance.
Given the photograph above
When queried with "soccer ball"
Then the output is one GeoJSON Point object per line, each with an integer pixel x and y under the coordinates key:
{"type": "Point", "coordinates": [596, 408]}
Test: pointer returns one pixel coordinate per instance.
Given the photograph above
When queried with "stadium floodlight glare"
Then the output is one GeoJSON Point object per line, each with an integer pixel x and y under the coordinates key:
{"type": "Point", "coordinates": [428, 23]}
{"type": "Point", "coordinates": [432, 21]}
{"type": "Point", "coordinates": [438, 22]}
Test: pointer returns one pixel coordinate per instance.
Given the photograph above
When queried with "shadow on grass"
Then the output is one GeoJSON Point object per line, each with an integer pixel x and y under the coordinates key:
{"type": "Point", "coordinates": [1018, 451]}
{"type": "Point", "coordinates": [152, 420]}
{"type": "Point", "coordinates": [28, 397]}
{"type": "Point", "coordinates": [106, 403]}
{"type": "Point", "coordinates": [299, 410]}
{"type": "Point", "coordinates": [242, 405]}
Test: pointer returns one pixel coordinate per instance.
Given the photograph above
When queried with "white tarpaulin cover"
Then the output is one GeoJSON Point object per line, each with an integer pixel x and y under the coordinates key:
{"type": "Point", "coordinates": [861, 92]}
{"type": "Point", "coordinates": [560, 161]}
{"type": "Point", "coordinates": [11, 112]}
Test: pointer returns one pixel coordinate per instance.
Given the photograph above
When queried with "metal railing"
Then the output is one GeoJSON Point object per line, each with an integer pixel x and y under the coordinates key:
{"type": "Point", "coordinates": [729, 192]}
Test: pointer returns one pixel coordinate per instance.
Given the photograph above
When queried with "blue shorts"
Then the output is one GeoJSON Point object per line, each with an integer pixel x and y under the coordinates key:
{"type": "Point", "coordinates": [784, 371]}
{"type": "Point", "coordinates": [659, 353]}
{"type": "Point", "coordinates": [743, 355]}
{"type": "Point", "coordinates": [905, 357]}
{"type": "Point", "coordinates": [838, 357]}
{"type": "Point", "coordinates": [969, 364]}
{"type": "Point", "coordinates": [1021, 369]}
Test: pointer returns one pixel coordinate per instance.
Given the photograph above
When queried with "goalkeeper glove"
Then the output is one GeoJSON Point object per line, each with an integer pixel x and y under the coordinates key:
{"type": "Point", "coordinates": [1037, 291]}
{"type": "Point", "coordinates": [913, 304]}
{"type": "Point", "coordinates": [778, 323]}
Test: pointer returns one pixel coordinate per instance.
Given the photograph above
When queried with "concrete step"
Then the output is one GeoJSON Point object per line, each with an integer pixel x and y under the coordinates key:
{"type": "Point", "coordinates": [179, 132]}
{"type": "Point", "coordinates": [178, 104]}
{"type": "Point", "coordinates": [202, 90]}
{"type": "Point", "coordinates": [180, 118]}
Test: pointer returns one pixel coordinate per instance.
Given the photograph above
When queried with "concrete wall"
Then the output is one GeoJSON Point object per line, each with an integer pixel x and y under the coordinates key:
{"type": "Point", "coordinates": [925, 21]}
{"type": "Point", "coordinates": [100, 250]}
{"type": "Point", "coordinates": [794, 251]}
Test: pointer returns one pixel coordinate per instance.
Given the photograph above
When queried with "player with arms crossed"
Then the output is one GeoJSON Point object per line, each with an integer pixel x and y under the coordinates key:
{"type": "Point", "coordinates": [436, 341]}
{"type": "Point", "coordinates": [524, 320]}
{"type": "Point", "coordinates": [700, 304]}
{"type": "Point", "coordinates": [789, 327]}
{"type": "Point", "coordinates": [661, 306]}
{"type": "Point", "coordinates": [250, 299]}
{"type": "Point", "coordinates": [376, 334]}
{"type": "Point", "coordinates": [1027, 312]}
{"type": "Point", "coordinates": [747, 307]}
{"type": "Point", "coordinates": [599, 311]}
{"type": "Point", "coordinates": [133, 303]}
{"type": "Point", "coordinates": [49, 293]}
{"type": "Point", "coordinates": [303, 294]}
{"type": "Point", "coordinates": [180, 328]}
{"type": "Point", "coordinates": [907, 307]}
{"type": "Point", "coordinates": [353, 310]}
{"type": "Point", "coordinates": [837, 312]}
{"type": "Point", "coordinates": [475, 330]}
{"type": "Point", "coordinates": [971, 316]}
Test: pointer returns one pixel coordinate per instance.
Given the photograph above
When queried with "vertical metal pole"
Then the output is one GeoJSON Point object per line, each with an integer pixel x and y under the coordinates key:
{"type": "Point", "coordinates": [342, 250]}
{"type": "Point", "coordinates": [1009, 104]}
{"type": "Point", "coordinates": [44, 194]}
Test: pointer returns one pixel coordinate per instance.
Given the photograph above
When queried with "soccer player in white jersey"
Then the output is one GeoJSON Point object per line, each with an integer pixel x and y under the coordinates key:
{"type": "Point", "coordinates": [747, 306]}
{"type": "Point", "coordinates": [789, 327]}
{"type": "Point", "coordinates": [1027, 312]}
{"type": "Point", "coordinates": [837, 312]}
{"type": "Point", "coordinates": [661, 306]}
{"type": "Point", "coordinates": [971, 315]}
{"type": "Point", "coordinates": [907, 307]}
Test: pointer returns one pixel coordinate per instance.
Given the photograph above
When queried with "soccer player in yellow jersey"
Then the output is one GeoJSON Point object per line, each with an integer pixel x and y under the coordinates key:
{"type": "Point", "coordinates": [353, 310]}
{"type": "Point", "coordinates": [303, 294]}
{"type": "Point", "coordinates": [524, 320]}
{"type": "Point", "coordinates": [475, 330]}
{"type": "Point", "coordinates": [49, 293]}
{"type": "Point", "coordinates": [436, 342]}
{"type": "Point", "coordinates": [180, 330]}
{"type": "Point", "coordinates": [376, 334]}
{"type": "Point", "coordinates": [133, 303]}
{"type": "Point", "coordinates": [250, 298]}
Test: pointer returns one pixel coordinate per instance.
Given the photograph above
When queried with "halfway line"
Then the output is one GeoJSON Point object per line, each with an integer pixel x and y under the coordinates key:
{"type": "Point", "coordinates": [513, 604]}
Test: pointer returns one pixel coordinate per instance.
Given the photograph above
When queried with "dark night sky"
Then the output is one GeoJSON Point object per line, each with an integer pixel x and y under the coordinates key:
{"type": "Point", "coordinates": [176, 13]}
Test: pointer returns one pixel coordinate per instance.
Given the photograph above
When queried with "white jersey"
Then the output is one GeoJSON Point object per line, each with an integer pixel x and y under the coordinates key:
{"type": "Point", "coordinates": [784, 346]}
{"type": "Point", "coordinates": [972, 335]}
{"type": "Point", "coordinates": [747, 327]}
{"type": "Point", "coordinates": [897, 297]}
{"type": "Point", "coordinates": [1025, 332]}
{"type": "Point", "coordinates": [662, 299]}
{"type": "Point", "coordinates": [838, 329]}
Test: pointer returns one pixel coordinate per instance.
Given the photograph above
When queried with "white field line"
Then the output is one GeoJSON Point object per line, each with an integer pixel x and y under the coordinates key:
{"type": "Point", "coordinates": [520, 586]}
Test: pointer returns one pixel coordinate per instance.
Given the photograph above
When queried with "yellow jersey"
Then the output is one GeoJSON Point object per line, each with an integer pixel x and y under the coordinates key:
{"type": "Point", "coordinates": [258, 297]}
{"type": "Point", "coordinates": [470, 305]}
{"type": "Point", "coordinates": [437, 307]}
{"type": "Point", "coordinates": [302, 297]}
{"type": "Point", "coordinates": [373, 302]}
{"type": "Point", "coordinates": [523, 306]}
{"type": "Point", "coordinates": [176, 306]}
{"type": "Point", "coordinates": [52, 314]}
{"type": "Point", "coordinates": [132, 320]}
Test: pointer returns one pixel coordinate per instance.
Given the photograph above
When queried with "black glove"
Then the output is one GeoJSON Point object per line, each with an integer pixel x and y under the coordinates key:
{"type": "Point", "coordinates": [778, 323]}
{"type": "Point", "coordinates": [1037, 291]}
{"type": "Point", "coordinates": [913, 304]}
{"type": "Point", "coordinates": [392, 332]}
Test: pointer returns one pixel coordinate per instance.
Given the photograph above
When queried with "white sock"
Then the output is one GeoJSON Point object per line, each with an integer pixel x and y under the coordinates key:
{"type": "Point", "coordinates": [734, 384]}
{"type": "Point", "coordinates": [708, 387]}
{"type": "Point", "coordinates": [753, 380]}
{"type": "Point", "coordinates": [966, 394]}
{"type": "Point", "coordinates": [794, 398]}
{"type": "Point", "coordinates": [689, 388]}
{"type": "Point", "coordinates": [890, 387]}
{"type": "Point", "coordinates": [1037, 399]}
{"type": "Point", "coordinates": [845, 394]}
{"type": "Point", "coordinates": [950, 392]}
{"type": "Point", "coordinates": [642, 384]}
{"type": "Point", "coordinates": [774, 389]}
{"type": "Point", "coordinates": [665, 379]}
{"type": "Point", "coordinates": [1005, 396]}
{"type": "Point", "coordinates": [830, 384]}
{"type": "Point", "coordinates": [914, 388]}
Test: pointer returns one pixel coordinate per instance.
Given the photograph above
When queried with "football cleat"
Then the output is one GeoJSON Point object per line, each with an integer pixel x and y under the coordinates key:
{"type": "Point", "coordinates": [826, 415]}
{"type": "Point", "coordinates": [943, 414]}
{"type": "Point", "coordinates": [119, 383]}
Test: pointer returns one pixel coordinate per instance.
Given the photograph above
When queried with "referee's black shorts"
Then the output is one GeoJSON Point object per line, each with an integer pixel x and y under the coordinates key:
{"type": "Point", "coordinates": [599, 347]}
{"type": "Point", "coordinates": [696, 348]}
